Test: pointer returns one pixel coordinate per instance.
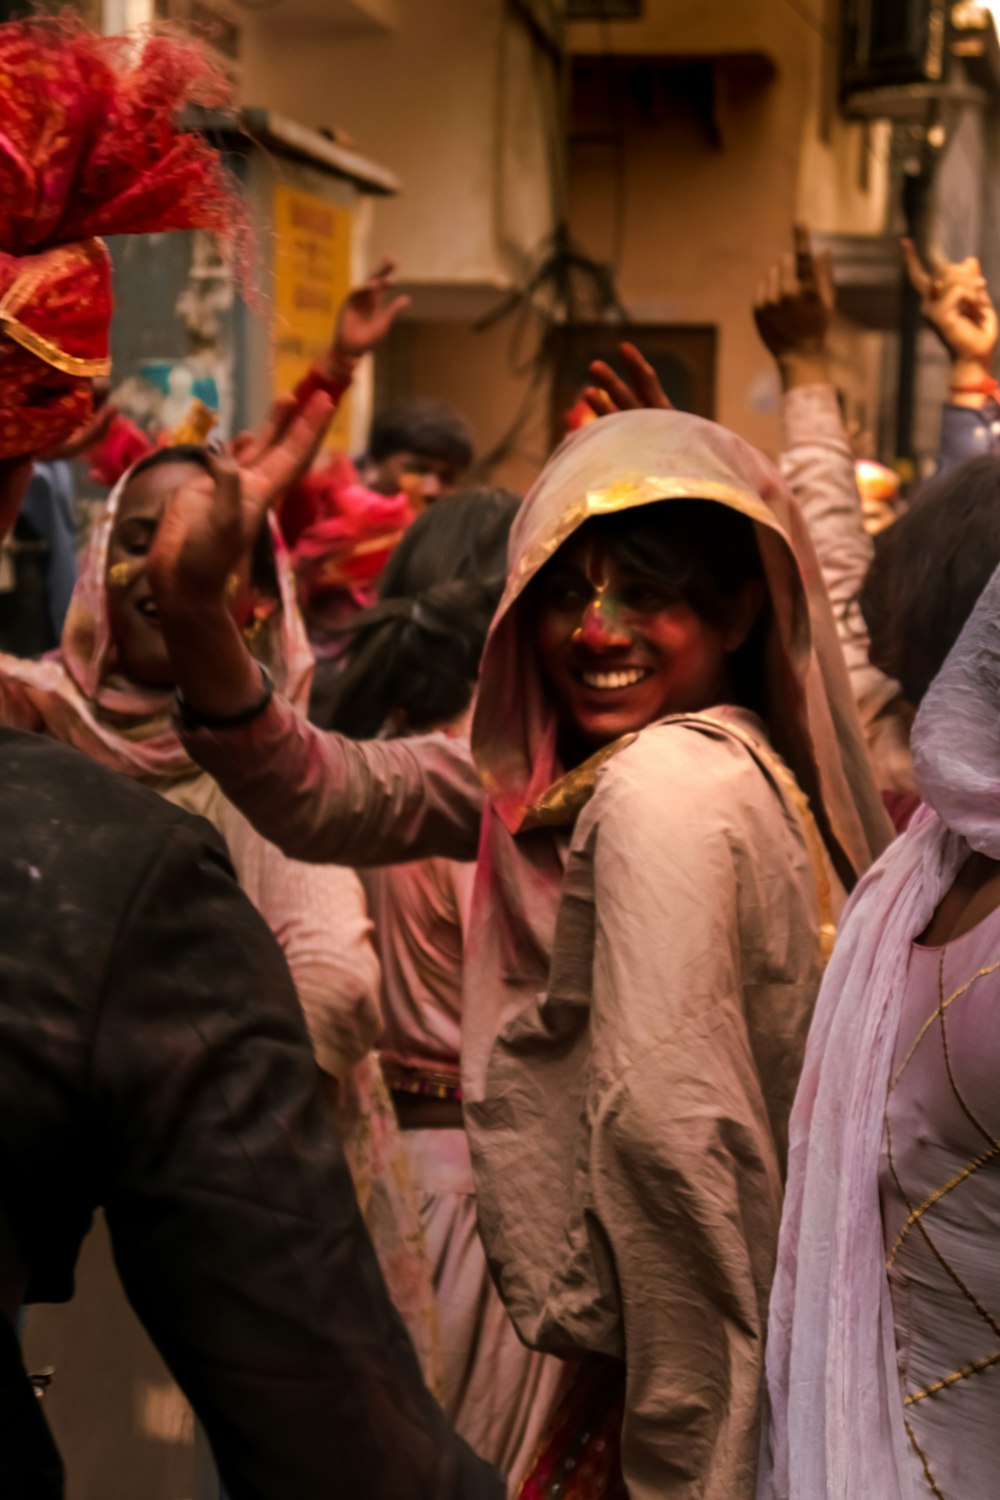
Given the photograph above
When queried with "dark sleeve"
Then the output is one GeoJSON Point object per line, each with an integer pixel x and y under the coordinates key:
{"type": "Point", "coordinates": [967, 433]}
{"type": "Point", "coordinates": [232, 1213]}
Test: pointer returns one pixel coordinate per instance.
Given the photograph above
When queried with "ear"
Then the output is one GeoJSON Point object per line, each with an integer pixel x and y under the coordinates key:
{"type": "Point", "coordinates": [743, 616]}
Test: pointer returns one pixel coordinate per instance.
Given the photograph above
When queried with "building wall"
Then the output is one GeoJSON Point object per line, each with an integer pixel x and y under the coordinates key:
{"type": "Point", "coordinates": [689, 207]}
{"type": "Point", "coordinates": [703, 200]}
{"type": "Point", "coordinates": [456, 99]}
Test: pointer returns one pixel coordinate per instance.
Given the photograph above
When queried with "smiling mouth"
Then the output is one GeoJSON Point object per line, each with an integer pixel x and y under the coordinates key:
{"type": "Point", "coordinates": [609, 682]}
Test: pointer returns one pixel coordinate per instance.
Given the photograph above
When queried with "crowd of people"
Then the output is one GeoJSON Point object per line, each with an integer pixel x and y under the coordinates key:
{"type": "Point", "coordinates": [557, 1058]}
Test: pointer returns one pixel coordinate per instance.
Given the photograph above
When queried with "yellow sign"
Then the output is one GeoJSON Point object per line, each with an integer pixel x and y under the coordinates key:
{"type": "Point", "coordinates": [312, 275]}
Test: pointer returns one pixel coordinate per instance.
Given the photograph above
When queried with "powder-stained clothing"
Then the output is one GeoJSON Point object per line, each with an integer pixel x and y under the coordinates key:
{"type": "Point", "coordinates": [318, 915]}
{"type": "Point", "coordinates": [497, 1393]}
{"type": "Point", "coordinates": [643, 954]}
{"type": "Point", "coordinates": [156, 1063]}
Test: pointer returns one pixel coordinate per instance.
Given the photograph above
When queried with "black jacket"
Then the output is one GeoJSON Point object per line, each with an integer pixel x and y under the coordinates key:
{"type": "Point", "coordinates": [153, 1059]}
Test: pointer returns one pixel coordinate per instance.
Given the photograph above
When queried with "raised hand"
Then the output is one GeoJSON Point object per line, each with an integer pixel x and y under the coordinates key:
{"type": "Point", "coordinates": [955, 300]}
{"type": "Point", "coordinates": [211, 523]}
{"type": "Point", "coordinates": [365, 318]}
{"type": "Point", "coordinates": [793, 309]}
{"type": "Point", "coordinates": [611, 393]}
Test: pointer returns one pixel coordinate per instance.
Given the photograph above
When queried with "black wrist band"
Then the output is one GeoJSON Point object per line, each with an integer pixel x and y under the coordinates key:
{"type": "Point", "coordinates": [193, 718]}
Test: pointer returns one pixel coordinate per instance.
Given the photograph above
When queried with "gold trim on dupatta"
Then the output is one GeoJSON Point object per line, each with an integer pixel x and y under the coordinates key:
{"type": "Point", "coordinates": [21, 291]}
{"type": "Point", "coordinates": [564, 799]}
{"type": "Point", "coordinates": [629, 494]}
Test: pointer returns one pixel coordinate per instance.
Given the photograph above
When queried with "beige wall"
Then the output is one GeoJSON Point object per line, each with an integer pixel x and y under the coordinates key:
{"type": "Point", "coordinates": [452, 361]}
{"type": "Point", "coordinates": [450, 99]}
{"type": "Point", "coordinates": [703, 219]}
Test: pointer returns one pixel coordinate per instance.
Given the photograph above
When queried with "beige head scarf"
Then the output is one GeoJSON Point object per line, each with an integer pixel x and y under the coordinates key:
{"type": "Point", "coordinates": [642, 458]}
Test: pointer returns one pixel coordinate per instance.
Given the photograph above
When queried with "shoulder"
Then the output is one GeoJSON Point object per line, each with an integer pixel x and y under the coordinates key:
{"type": "Point", "coordinates": [79, 823]}
{"type": "Point", "coordinates": [680, 770]}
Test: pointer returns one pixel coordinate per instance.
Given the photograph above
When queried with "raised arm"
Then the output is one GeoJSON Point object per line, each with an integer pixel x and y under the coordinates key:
{"type": "Point", "coordinates": [318, 796]}
{"type": "Point", "coordinates": [793, 310]}
{"type": "Point", "coordinates": [956, 303]}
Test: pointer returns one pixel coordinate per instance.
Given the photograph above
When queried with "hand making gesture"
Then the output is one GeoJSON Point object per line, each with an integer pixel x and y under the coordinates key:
{"type": "Point", "coordinates": [793, 309]}
{"type": "Point", "coordinates": [955, 300]}
{"type": "Point", "coordinates": [611, 392]}
{"type": "Point", "coordinates": [364, 320]}
{"type": "Point", "coordinates": [207, 530]}
{"type": "Point", "coordinates": [211, 522]}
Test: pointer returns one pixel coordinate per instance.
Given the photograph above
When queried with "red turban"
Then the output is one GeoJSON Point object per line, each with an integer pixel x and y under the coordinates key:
{"type": "Point", "coordinates": [89, 145]}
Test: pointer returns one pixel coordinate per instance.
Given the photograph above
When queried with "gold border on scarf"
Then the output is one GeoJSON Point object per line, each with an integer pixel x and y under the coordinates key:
{"type": "Point", "coordinates": [20, 291]}
{"type": "Point", "coordinates": [564, 799]}
{"type": "Point", "coordinates": [629, 494]}
{"type": "Point", "coordinates": [50, 353]}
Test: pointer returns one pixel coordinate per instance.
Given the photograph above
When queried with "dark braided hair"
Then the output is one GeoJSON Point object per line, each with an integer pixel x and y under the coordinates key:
{"type": "Point", "coordinates": [414, 655]}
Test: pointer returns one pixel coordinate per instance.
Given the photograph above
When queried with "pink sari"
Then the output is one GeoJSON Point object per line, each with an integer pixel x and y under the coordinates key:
{"type": "Point", "coordinates": [836, 1414]}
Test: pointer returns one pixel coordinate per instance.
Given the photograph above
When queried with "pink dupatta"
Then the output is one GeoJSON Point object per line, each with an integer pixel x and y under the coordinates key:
{"type": "Point", "coordinates": [836, 1412]}
{"type": "Point", "coordinates": [76, 696]}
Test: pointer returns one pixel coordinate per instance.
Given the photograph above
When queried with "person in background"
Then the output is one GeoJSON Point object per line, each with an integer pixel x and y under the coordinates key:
{"type": "Point", "coordinates": [343, 523]}
{"type": "Point", "coordinates": [156, 1063]}
{"type": "Point", "coordinates": [632, 1025]}
{"type": "Point", "coordinates": [410, 667]}
{"type": "Point", "coordinates": [417, 445]}
{"type": "Point", "coordinates": [108, 692]}
{"type": "Point", "coordinates": [38, 563]}
{"type": "Point", "coordinates": [883, 1362]}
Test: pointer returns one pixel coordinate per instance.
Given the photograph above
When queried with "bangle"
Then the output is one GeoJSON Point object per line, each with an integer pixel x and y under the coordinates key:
{"type": "Point", "coordinates": [193, 718]}
{"type": "Point", "coordinates": [985, 387]}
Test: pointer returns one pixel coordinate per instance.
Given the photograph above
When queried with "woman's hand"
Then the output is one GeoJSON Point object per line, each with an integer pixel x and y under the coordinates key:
{"type": "Point", "coordinates": [611, 393]}
{"type": "Point", "coordinates": [955, 300]}
{"type": "Point", "coordinates": [207, 529]}
{"type": "Point", "coordinates": [364, 320]}
{"type": "Point", "coordinates": [793, 310]}
{"type": "Point", "coordinates": [211, 523]}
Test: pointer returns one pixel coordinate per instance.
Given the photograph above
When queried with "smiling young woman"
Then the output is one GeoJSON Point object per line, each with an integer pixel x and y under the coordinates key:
{"type": "Point", "coordinates": [645, 614]}
{"type": "Point", "coordinates": [673, 771]}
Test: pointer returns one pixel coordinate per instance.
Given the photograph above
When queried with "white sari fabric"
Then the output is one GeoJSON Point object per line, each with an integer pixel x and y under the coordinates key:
{"type": "Point", "coordinates": [836, 1426]}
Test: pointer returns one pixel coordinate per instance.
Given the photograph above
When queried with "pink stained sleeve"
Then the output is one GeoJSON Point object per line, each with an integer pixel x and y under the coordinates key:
{"type": "Point", "coordinates": [319, 915]}
{"type": "Point", "coordinates": [330, 800]}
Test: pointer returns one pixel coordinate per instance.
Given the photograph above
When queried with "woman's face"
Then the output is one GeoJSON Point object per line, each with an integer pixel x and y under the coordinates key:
{"type": "Point", "coordinates": [140, 650]}
{"type": "Point", "coordinates": [620, 650]}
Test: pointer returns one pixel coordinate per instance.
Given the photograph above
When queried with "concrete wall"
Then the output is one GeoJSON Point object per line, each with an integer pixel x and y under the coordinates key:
{"type": "Point", "coordinates": [455, 99]}
{"type": "Point", "coordinates": [707, 201]}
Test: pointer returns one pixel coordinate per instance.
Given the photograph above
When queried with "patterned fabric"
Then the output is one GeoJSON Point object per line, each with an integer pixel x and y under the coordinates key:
{"type": "Point", "coordinates": [580, 1455]}
{"type": "Point", "coordinates": [89, 146]}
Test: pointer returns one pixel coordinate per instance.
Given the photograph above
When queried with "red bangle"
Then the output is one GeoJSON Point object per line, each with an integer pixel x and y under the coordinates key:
{"type": "Point", "coordinates": [985, 387]}
{"type": "Point", "coordinates": [318, 380]}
